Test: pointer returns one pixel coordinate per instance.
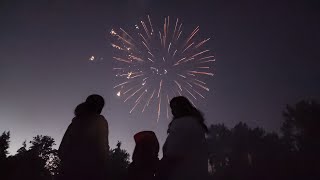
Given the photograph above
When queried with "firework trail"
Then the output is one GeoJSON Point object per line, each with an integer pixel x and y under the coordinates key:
{"type": "Point", "coordinates": [155, 64]}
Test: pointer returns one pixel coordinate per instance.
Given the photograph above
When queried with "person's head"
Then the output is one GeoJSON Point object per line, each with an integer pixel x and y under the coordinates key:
{"type": "Point", "coordinates": [181, 106]}
{"type": "Point", "coordinates": [81, 109]}
{"type": "Point", "coordinates": [147, 146]}
{"type": "Point", "coordinates": [95, 102]}
{"type": "Point", "coordinates": [93, 105]}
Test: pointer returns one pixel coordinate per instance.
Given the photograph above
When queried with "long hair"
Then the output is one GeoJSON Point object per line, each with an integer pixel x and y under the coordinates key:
{"type": "Point", "coordinates": [182, 107]}
{"type": "Point", "coordinates": [93, 105]}
{"type": "Point", "coordinates": [81, 109]}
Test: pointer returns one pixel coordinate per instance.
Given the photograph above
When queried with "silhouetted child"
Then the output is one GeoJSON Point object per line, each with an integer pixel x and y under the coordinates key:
{"type": "Point", "coordinates": [145, 157]}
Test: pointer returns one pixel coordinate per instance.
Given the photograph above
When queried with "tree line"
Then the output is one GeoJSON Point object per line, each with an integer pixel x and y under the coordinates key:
{"type": "Point", "coordinates": [240, 152]}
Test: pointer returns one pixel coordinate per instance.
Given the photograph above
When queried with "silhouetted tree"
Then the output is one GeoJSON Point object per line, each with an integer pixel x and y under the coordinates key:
{"type": "Point", "coordinates": [36, 162]}
{"type": "Point", "coordinates": [243, 142]}
{"type": "Point", "coordinates": [251, 153]}
{"type": "Point", "coordinates": [118, 162]}
{"type": "Point", "coordinates": [4, 146]}
{"type": "Point", "coordinates": [53, 162]}
{"type": "Point", "coordinates": [301, 125]}
{"type": "Point", "coordinates": [301, 134]}
{"type": "Point", "coordinates": [219, 143]}
{"type": "Point", "coordinates": [23, 149]}
{"type": "Point", "coordinates": [43, 146]}
{"type": "Point", "coordinates": [244, 153]}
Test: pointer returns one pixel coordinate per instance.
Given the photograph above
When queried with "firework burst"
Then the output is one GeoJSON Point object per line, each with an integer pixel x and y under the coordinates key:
{"type": "Point", "coordinates": [156, 64]}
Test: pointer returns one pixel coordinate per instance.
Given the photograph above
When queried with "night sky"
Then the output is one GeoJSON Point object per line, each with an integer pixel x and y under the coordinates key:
{"type": "Point", "coordinates": [267, 56]}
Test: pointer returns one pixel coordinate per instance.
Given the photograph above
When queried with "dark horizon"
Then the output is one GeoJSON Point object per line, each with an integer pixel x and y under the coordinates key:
{"type": "Point", "coordinates": [266, 57]}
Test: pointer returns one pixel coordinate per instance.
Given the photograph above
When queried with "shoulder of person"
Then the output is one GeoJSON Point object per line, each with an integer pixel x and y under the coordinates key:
{"type": "Point", "coordinates": [185, 122]}
{"type": "Point", "coordinates": [102, 119]}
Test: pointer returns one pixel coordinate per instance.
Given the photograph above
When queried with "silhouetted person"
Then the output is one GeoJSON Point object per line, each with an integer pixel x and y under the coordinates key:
{"type": "Point", "coordinates": [84, 147]}
{"type": "Point", "coordinates": [145, 157]}
{"type": "Point", "coordinates": [185, 153]}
